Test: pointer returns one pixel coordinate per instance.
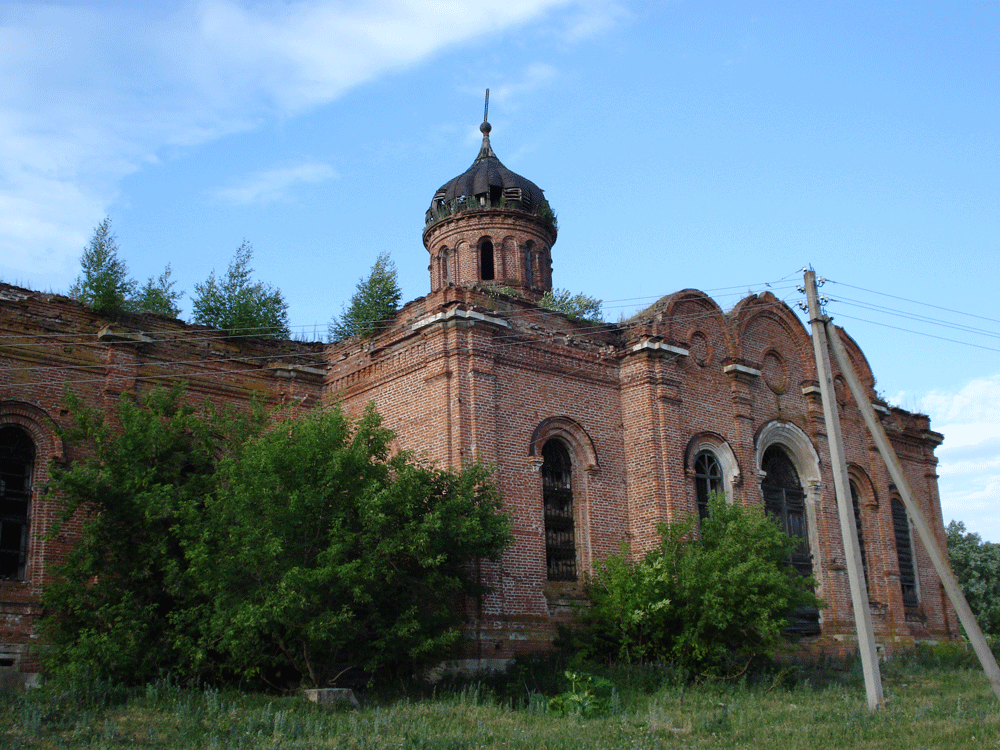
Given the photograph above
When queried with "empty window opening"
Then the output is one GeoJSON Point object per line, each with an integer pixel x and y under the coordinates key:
{"type": "Point", "coordinates": [904, 554]}
{"type": "Point", "coordinates": [486, 260]}
{"type": "Point", "coordinates": [528, 271]}
{"type": "Point", "coordinates": [557, 497]}
{"type": "Point", "coordinates": [17, 457]}
{"type": "Point", "coordinates": [785, 501]}
{"type": "Point", "coordinates": [707, 479]}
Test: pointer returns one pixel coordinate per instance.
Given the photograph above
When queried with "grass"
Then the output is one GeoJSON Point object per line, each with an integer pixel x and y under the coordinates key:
{"type": "Point", "coordinates": [928, 705]}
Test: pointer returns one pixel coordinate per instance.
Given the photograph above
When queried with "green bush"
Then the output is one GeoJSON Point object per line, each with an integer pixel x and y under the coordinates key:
{"type": "Point", "coordinates": [712, 602]}
{"type": "Point", "coordinates": [214, 547]}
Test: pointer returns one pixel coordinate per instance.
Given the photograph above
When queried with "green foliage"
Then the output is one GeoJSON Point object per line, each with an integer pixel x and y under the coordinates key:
{"type": "Point", "coordinates": [238, 304]}
{"type": "Point", "coordinates": [709, 603]}
{"type": "Point", "coordinates": [213, 547]}
{"type": "Point", "coordinates": [943, 708]}
{"type": "Point", "coordinates": [976, 565]}
{"type": "Point", "coordinates": [588, 696]}
{"type": "Point", "coordinates": [158, 296]}
{"type": "Point", "coordinates": [331, 555]}
{"type": "Point", "coordinates": [117, 606]}
{"type": "Point", "coordinates": [103, 283]}
{"type": "Point", "coordinates": [544, 211]}
{"type": "Point", "coordinates": [573, 306]}
{"type": "Point", "coordinates": [373, 304]}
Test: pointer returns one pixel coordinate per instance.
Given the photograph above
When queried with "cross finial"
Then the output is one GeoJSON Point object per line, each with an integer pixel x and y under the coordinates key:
{"type": "Point", "coordinates": [486, 108]}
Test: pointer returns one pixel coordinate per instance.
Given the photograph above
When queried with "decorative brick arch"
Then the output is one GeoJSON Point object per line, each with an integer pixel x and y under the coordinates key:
{"type": "Point", "coordinates": [572, 433]}
{"type": "Point", "coordinates": [720, 448]}
{"type": "Point", "coordinates": [38, 424]}
{"type": "Point", "coordinates": [797, 445]}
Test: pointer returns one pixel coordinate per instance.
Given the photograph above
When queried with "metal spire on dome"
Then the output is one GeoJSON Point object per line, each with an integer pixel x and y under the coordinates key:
{"type": "Point", "coordinates": [486, 150]}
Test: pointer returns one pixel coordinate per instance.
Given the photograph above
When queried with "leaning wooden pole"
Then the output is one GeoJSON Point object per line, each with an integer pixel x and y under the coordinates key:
{"type": "Point", "coordinates": [924, 530]}
{"type": "Point", "coordinates": [845, 507]}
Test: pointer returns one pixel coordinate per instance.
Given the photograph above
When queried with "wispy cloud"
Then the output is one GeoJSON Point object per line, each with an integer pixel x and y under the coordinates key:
{"type": "Point", "coordinates": [276, 184]}
{"type": "Point", "coordinates": [94, 92]}
{"type": "Point", "coordinates": [969, 459]}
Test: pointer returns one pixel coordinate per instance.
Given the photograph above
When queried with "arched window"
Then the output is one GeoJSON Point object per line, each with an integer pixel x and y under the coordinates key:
{"type": "Point", "coordinates": [784, 499]}
{"type": "Point", "coordinates": [707, 479]}
{"type": "Point", "coordinates": [17, 458]}
{"type": "Point", "coordinates": [529, 248]}
{"type": "Point", "coordinates": [856, 502]}
{"type": "Point", "coordinates": [557, 496]}
{"type": "Point", "coordinates": [445, 266]}
{"type": "Point", "coordinates": [904, 554]}
{"type": "Point", "coordinates": [486, 272]}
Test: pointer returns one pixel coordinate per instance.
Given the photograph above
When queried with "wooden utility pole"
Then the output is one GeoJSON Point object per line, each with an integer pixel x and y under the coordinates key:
{"type": "Point", "coordinates": [923, 527]}
{"type": "Point", "coordinates": [845, 505]}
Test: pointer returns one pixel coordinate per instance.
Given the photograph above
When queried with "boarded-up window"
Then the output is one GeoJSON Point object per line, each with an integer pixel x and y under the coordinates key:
{"type": "Point", "coordinates": [17, 457]}
{"type": "Point", "coordinates": [557, 495]}
{"type": "Point", "coordinates": [904, 554]}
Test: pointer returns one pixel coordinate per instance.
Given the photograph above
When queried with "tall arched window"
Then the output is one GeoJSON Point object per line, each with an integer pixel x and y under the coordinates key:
{"type": "Point", "coordinates": [529, 276]}
{"type": "Point", "coordinates": [486, 261]}
{"type": "Point", "coordinates": [904, 554]}
{"type": "Point", "coordinates": [17, 458]}
{"type": "Point", "coordinates": [856, 502]}
{"type": "Point", "coordinates": [446, 270]}
{"type": "Point", "coordinates": [785, 500]}
{"type": "Point", "coordinates": [557, 496]}
{"type": "Point", "coordinates": [707, 479]}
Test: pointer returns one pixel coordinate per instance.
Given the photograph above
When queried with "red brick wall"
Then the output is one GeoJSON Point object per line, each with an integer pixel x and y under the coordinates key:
{"type": "Point", "coordinates": [485, 386]}
{"type": "Point", "coordinates": [465, 375]}
{"type": "Point", "coordinates": [50, 343]}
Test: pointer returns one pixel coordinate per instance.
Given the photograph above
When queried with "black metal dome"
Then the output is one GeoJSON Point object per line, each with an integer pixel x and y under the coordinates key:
{"type": "Point", "coordinates": [487, 184]}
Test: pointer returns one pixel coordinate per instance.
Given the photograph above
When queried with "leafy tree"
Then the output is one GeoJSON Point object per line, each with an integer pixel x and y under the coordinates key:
{"type": "Point", "coordinates": [375, 301]}
{"type": "Point", "coordinates": [123, 604]}
{"type": "Point", "coordinates": [212, 547]}
{"type": "Point", "coordinates": [158, 296]}
{"type": "Point", "coordinates": [711, 603]}
{"type": "Point", "coordinates": [976, 565]}
{"type": "Point", "coordinates": [103, 283]}
{"type": "Point", "coordinates": [327, 554]}
{"type": "Point", "coordinates": [238, 304]}
{"type": "Point", "coordinates": [573, 306]}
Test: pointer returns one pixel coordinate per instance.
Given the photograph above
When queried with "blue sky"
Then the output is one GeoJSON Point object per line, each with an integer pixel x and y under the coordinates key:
{"type": "Point", "coordinates": [719, 146]}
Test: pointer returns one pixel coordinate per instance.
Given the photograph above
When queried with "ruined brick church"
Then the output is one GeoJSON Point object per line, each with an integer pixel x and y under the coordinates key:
{"type": "Point", "coordinates": [598, 432]}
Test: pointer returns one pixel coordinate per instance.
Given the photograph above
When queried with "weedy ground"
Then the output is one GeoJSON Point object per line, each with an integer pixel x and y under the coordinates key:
{"type": "Point", "coordinates": [931, 702]}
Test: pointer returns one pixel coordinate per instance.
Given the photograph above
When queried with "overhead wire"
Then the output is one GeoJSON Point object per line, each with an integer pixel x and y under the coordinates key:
{"type": "Point", "coordinates": [498, 343]}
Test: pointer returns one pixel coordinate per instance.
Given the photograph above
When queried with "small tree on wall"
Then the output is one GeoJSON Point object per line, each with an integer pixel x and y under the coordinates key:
{"type": "Point", "coordinates": [238, 304]}
{"type": "Point", "coordinates": [103, 283]}
{"type": "Point", "coordinates": [375, 301]}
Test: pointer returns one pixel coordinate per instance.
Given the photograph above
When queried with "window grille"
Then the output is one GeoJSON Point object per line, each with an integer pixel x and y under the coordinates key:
{"type": "Point", "coordinates": [904, 554]}
{"type": "Point", "coordinates": [557, 495]}
{"type": "Point", "coordinates": [17, 457]}
{"type": "Point", "coordinates": [785, 500]}
{"type": "Point", "coordinates": [860, 531]}
{"type": "Point", "coordinates": [707, 479]}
